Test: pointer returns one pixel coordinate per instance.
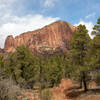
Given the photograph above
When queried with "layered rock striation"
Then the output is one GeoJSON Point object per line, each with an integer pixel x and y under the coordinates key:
{"type": "Point", "coordinates": [50, 38]}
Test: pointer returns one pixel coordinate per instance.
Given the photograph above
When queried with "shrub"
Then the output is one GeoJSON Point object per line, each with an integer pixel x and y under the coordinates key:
{"type": "Point", "coordinates": [8, 91]}
{"type": "Point", "coordinates": [98, 78]}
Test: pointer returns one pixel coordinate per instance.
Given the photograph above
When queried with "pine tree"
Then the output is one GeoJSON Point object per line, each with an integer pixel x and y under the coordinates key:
{"type": "Point", "coordinates": [78, 50]}
{"type": "Point", "coordinates": [1, 62]}
{"type": "Point", "coordinates": [96, 28]}
{"type": "Point", "coordinates": [21, 67]}
{"type": "Point", "coordinates": [2, 70]}
{"type": "Point", "coordinates": [94, 52]}
{"type": "Point", "coordinates": [95, 46]}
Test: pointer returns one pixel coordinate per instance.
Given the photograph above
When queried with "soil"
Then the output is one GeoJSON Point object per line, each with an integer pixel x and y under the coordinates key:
{"type": "Point", "coordinates": [68, 91]}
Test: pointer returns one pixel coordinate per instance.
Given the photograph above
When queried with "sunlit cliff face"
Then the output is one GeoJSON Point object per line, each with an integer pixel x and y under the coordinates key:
{"type": "Point", "coordinates": [49, 38]}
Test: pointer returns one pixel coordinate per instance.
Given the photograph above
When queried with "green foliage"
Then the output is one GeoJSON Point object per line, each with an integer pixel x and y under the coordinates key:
{"type": "Point", "coordinates": [51, 70]}
{"type": "Point", "coordinates": [21, 66]}
{"type": "Point", "coordinates": [96, 28]}
{"type": "Point", "coordinates": [2, 69]}
{"type": "Point", "coordinates": [78, 47]}
{"type": "Point", "coordinates": [27, 70]}
{"type": "Point", "coordinates": [1, 62]}
{"type": "Point", "coordinates": [97, 78]}
{"type": "Point", "coordinates": [94, 52]}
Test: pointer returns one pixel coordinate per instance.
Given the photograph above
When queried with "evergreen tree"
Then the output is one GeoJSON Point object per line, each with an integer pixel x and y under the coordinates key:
{"type": "Point", "coordinates": [2, 70]}
{"type": "Point", "coordinates": [1, 62]}
{"type": "Point", "coordinates": [12, 69]}
{"type": "Point", "coordinates": [94, 52]}
{"type": "Point", "coordinates": [95, 46]}
{"type": "Point", "coordinates": [96, 28]}
{"type": "Point", "coordinates": [21, 67]}
{"type": "Point", "coordinates": [79, 46]}
{"type": "Point", "coordinates": [27, 63]}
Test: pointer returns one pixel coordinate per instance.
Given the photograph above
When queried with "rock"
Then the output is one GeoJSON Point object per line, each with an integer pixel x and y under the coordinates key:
{"type": "Point", "coordinates": [65, 84]}
{"type": "Point", "coordinates": [49, 38]}
{"type": "Point", "coordinates": [92, 84]}
{"type": "Point", "coordinates": [9, 44]}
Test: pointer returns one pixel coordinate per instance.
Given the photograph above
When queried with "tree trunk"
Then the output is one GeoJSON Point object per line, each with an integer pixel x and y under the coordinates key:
{"type": "Point", "coordinates": [84, 81]}
{"type": "Point", "coordinates": [81, 83]}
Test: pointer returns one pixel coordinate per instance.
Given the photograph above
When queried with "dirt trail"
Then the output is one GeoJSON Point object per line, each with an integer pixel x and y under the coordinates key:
{"type": "Point", "coordinates": [68, 91]}
{"type": "Point", "coordinates": [63, 89]}
{"type": "Point", "coordinates": [59, 93]}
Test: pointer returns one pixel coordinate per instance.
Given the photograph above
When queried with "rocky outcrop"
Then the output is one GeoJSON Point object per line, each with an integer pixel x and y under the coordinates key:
{"type": "Point", "coordinates": [9, 44]}
{"type": "Point", "coordinates": [50, 38]}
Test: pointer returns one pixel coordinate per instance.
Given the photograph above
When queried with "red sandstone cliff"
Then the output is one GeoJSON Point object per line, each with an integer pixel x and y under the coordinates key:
{"type": "Point", "coordinates": [49, 38]}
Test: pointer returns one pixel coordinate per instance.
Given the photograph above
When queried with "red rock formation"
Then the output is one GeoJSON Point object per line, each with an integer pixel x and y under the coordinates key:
{"type": "Point", "coordinates": [65, 84]}
{"type": "Point", "coordinates": [9, 44]}
{"type": "Point", "coordinates": [49, 38]}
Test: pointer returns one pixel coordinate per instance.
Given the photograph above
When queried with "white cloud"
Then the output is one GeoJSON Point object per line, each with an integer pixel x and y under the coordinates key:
{"type": "Point", "coordinates": [11, 24]}
{"type": "Point", "coordinates": [5, 3]}
{"type": "Point", "coordinates": [50, 3]}
{"type": "Point", "coordinates": [89, 26]}
{"type": "Point", "coordinates": [90, 15]}
{"type": "Point", "coordinates": [14, 25]}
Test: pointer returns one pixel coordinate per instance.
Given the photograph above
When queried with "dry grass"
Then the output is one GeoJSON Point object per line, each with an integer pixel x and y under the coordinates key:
{"type": "Point", "coordinates": [8, 91]}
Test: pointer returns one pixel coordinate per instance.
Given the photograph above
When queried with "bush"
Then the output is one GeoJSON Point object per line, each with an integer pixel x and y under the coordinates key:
{"type": "Point", "coordinates": [98, 78]}
{"type": "Point", "coordinates": [8, 91]}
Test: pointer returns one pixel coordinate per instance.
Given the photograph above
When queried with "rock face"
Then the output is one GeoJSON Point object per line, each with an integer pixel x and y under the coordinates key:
{"type": "Point", "coordinates": [50, 38]}
{"type": "Point", "coordinates": [65, 84]}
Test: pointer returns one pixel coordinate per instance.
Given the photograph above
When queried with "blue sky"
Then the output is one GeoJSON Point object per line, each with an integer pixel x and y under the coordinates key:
{"type": "Point", "coordinates": [68, 10]}
{"type": "Point", "coordinates": [18, 16]}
